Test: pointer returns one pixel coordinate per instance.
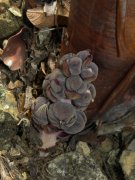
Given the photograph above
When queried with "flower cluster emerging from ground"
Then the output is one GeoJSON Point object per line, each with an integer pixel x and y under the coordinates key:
{"type": "Point", "coordinates": [67, 91]}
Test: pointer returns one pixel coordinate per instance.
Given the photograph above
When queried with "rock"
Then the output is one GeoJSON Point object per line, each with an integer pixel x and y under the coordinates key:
{"type": "Point", "coordinates": [131, 146]}
{"type": "Point", "coordinates": [112, 157]}
{"type": "Point", "coordinates": [8, 102]}
{"type": "Point", "coordinates": [106, 145]}
{"type": "Point", "coordinates": [127, 161]}
{"type": "Point", "coordinates": [75, 165]}
{"type": "Point", "coordinates": [9, 24]}
{"type": "Point", "coordinates": [82, 147]}
{"type": "Point", "coordinates": [7, 130]}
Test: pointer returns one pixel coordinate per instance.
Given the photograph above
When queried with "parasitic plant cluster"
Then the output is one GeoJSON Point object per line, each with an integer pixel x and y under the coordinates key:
{"type": "Point", "coordinates": [68, 91]}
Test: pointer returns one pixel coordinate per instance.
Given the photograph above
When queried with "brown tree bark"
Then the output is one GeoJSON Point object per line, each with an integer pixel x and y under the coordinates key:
{"type": "Point", "coordinates": [107, 27]}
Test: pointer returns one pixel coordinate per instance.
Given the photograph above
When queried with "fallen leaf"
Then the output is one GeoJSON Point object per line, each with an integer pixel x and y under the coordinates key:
{"type": "Point", "coordinates": [39, 19]}
{"type": "Point", "coordinates": [28, 97]}
{"type": "Point", "coordinates": [1, 51]}
{"type": "Point", "coordinates": [50, 9]}
{"type": "Point", "coordinates": [21, 102]}
{"type": "Point", "coordinates": [16, 84]}
{"type": "Point", "coordinates": [43, 67]}
{"type": "Point", "coordinates": [52, 62]}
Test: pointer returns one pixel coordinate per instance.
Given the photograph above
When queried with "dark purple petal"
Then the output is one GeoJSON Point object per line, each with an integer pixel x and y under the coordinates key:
{"type": "Point", "coordinates": [79, 125]}
{"type": "Point", "coordinates": [75, 65]}
{"type": "Point", "coordinates": [84, 54]}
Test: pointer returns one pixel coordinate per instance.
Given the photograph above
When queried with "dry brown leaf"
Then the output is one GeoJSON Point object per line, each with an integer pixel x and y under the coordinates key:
{"type": "Point", "coordinates": [63, 10]}
{"type": "Point", "coordinates": [28, 97]}
{"type": "Point", "coordinates": [57, 8]}
{"type": "Point", "coordinates": [21, 101]}
{"type": "Point", "coordinates": [4, 44]}
{"type": "Point", "coordinates": [16, 84]}
{"type": "Point", "coordinates": [50, 9]}
{"type": "Point", "coordinates": [1, 51]}
{"type": "Point", "coordinates": [11, 85]}
{"type": "Point", "coordinates": [43, 67]}
{"type": "Point", "coordinates": [52, 62]}
{"type": "Point", "coordinates": [8, 170]}
{"type": "Point", "coordinates": [39, 19]}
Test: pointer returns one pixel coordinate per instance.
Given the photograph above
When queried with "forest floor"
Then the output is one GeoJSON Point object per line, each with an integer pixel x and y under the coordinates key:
{"type": "Point", "coordinates": [110, 154]}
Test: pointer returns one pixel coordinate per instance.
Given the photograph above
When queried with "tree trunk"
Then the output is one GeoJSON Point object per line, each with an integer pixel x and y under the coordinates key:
{"type": "Point", "coordinates": [107, 28]}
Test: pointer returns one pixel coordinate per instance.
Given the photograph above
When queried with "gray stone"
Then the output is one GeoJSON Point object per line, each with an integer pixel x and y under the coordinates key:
{"type": "Point", "coordinates": [8, 103]}
{"type": "Point", "coordinates": [9, 23]}
{"type": "Point", "coordinates": [131, 146]}
{"type": "Point", "coordinates": [7, 130]}
{"type": "Point", "coordinates": [77, 165]}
